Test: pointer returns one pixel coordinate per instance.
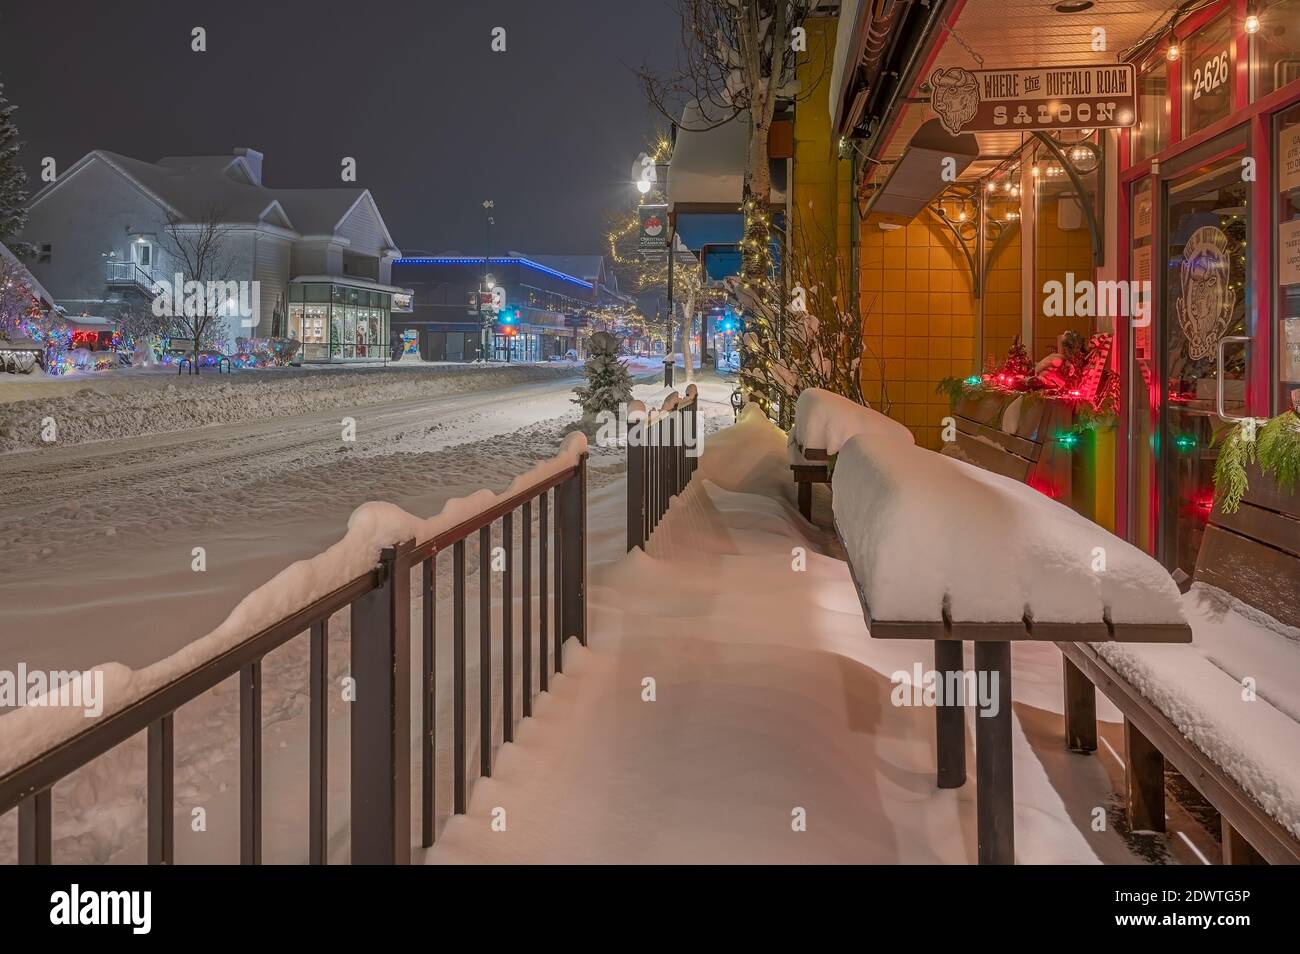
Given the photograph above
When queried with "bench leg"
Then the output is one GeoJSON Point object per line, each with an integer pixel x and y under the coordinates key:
{"type": "Point", "coordinates": [805, 500]}
{"type": "Point", "coordinates": [1144, 771]}
{"type": "Point", "coordinates": [1237, 850]}
{"type": "Point", "coordinates": [994, 794]}
{"type": "Point", "coordinates": [950, 717]}
{"type": "Point", "coordinates": [1080, 709]}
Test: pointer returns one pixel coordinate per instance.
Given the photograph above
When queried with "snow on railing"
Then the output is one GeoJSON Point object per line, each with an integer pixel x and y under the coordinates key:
{"type": "Point", "coordinates": [369, 572]}
{"type": "Point", "coordinates": [663, 448]}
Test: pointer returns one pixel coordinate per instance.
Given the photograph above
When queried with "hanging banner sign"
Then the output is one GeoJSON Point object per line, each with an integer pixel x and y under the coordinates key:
{"type": "Point", "coordinates": [654, 228]}
{"type": "Point", "coordinates": [1021, 100]}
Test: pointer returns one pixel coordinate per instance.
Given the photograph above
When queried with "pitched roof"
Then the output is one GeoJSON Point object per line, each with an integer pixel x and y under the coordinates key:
{"type": "Point", "coordinates": [192, 187]}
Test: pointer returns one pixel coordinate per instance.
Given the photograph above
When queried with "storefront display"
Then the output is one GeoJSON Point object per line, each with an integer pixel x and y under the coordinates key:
{"type": "Point", "coordinates": [335, 321]}
{"type": "Point", "coordinates": [1214, 224]}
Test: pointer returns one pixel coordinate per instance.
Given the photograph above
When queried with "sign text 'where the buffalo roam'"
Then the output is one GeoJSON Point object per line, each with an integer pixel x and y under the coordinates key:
{"type": "Point", "coordinates": [1063, 97]}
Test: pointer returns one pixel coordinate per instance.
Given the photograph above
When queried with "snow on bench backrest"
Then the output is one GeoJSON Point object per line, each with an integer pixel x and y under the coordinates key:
{"type": "Point", "coordinates": [922, 528]}
{"type": "Point", "coordinates": [827, 421]}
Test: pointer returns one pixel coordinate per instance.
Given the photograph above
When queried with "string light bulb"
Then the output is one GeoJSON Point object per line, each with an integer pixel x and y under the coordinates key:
{"type": "Point", "coordinates": [1252, 23]}
{"type": "Point", "coordinates": [1171, 53]}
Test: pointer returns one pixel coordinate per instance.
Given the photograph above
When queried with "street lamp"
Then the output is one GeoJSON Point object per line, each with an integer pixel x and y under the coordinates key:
{"type": "Point", "coordinates": [484, 323]}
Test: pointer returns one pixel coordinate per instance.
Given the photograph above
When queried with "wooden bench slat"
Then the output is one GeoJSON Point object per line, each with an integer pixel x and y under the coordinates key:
{"type": "Point", "coordinates": [1268, 837]}
{"type": "Point", "coordinates": [991, 458]}
{"type": "Point", "coordinates": [1257, 574]}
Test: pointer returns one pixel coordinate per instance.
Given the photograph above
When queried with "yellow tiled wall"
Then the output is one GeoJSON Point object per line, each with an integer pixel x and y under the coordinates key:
{"type": "Point", "coordinates": [1058, 251]}
{"type": "Point", "coordinates": [919, 316]}
{"type": "Point", "coordinates": [1001, 304]}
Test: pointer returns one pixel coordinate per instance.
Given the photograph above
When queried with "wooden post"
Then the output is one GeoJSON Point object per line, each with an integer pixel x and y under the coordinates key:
{"type": "Point", "coordinates": [805, 499]}
{"type": "Point", "coordinates": [994, 795]}
{"type": "Point", "coordinates": [636, 484]}
{"type": "Point", "coordinates": [949, 717]}
{"type": "Point", "coordinates": [1144, 770]}
{"type": "Point", "coordinates": [1080, 709]}
{"type": "Point", "coordinates": [1237, 850]}
{"type": "Point", "coordinates": [381, 716]}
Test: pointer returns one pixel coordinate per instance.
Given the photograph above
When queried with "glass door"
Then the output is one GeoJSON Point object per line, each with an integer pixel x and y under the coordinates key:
{"type": "Point", "coordinates": [1204, 333]}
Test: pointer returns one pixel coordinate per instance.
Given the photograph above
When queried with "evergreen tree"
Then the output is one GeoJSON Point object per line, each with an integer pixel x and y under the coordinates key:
{"type": "Point", "coordinates": [608, 382]}
{"type": "Point", "coordinates": [13, 194]}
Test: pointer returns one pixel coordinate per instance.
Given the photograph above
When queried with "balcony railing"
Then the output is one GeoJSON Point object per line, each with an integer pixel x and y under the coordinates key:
{"type": "Point", "coordinates": [129, 275]}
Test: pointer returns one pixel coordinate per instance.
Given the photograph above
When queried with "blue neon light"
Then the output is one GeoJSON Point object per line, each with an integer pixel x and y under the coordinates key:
{"type": "Point", "coordinates": [494, 261]}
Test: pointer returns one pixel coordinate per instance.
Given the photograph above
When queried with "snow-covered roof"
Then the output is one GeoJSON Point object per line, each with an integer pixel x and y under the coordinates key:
{"type": "Point", "coordinates": [709, 166]}
{"type": "Point", "coordinates": [27, 278]}
{"type": "Point", "coordinates": [191, 187]}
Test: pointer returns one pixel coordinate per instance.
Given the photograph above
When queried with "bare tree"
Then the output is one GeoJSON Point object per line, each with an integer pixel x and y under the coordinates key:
{"type": "Point", "coordinates": [200, 253]}
{"type": "Point", "coordinates": [140, 327]}
{"type": "Point", "coordinates": [738, 56]}
{"type": "Point", "coordinates": [821, 343]}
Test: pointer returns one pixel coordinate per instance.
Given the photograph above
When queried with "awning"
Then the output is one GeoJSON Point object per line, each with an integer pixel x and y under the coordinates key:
{"type": "Point", "coordinates": [707, 170]}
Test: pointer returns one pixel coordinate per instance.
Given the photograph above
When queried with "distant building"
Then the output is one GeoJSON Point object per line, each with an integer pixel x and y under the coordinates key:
{"type": "Point", "coordinates": [322, 258]}
{"type": "Point", "coordinates": [549, 298]}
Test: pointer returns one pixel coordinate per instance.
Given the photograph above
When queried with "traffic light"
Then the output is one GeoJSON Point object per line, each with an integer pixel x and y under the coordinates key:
{"type": "Point", "coordinates": [508, 319]}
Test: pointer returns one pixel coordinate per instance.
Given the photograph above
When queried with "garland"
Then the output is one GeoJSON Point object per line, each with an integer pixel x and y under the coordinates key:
{"type": "Point", "coordinates": [1274, 447]}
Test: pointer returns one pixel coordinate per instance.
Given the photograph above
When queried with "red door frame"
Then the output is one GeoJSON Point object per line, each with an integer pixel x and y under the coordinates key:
{"type": "Point", "coordinates": [1257, 117]}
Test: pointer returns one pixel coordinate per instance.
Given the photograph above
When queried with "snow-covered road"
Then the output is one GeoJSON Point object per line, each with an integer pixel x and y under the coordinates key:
{"type": "Point", "coordinates": [97, 540]}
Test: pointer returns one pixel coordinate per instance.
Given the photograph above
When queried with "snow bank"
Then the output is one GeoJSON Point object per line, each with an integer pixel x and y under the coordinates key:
{"type": "Point", "coordinates": [1201, 688]}
{"type": "Point", "coordinates": [109, 406]}
{"type": "Point", "coordinates": [748, 456]}
{"type": "Point", "coordinates": [827, 421]}
{"type": "Point", "coordinates": [923, 529]}
{"type": "Point", "coordinates": [26, 732]}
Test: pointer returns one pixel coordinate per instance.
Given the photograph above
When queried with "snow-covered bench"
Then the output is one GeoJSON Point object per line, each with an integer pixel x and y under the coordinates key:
{"type": "Point", "coordinates": [823, 423]}
{"type": "Point", "coordinates": [1224, 710]}
{"type": "Point", "coordinates": [945, 551]}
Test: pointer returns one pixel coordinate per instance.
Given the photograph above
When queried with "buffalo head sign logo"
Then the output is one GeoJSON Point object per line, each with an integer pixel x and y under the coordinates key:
{"type": "Point", "coordinates": [955, 96]}
{"type": "Point", "coordinates": [1207, 299]}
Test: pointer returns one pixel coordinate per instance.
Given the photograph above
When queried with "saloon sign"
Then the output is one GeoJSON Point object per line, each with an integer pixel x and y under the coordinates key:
{"type": "Point", "coordinates": [1015, 100]}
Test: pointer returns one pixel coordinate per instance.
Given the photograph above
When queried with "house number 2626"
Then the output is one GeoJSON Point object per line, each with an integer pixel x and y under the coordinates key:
{"type": "Point", "coordinates": [1211, 76]}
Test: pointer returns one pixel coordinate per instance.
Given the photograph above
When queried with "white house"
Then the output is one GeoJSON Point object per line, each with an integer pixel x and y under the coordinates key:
{"type": "Point", "coordinates": [322, 258]}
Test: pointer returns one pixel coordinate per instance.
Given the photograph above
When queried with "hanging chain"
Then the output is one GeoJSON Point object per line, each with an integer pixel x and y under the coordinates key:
{"type": "Point", "coordinates": [964, 45]}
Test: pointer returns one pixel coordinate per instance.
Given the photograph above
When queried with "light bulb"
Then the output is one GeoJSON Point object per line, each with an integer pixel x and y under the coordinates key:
{"type": "Point", "coordinates": [1171, 54]}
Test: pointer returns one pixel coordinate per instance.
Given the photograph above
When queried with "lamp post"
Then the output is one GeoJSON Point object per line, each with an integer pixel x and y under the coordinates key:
{"type": "Point", "coordinates": [485, 322]}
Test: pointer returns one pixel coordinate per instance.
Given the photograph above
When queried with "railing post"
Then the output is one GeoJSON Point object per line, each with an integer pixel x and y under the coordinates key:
{"type": "Point", "coordinates": [636, 485]}
{"type": "Point", "coordinates": [381, 715]}
{"type": "Point", "coordinates": [35, 829]}
{"type": "Point", "coordinates": [571, 516]}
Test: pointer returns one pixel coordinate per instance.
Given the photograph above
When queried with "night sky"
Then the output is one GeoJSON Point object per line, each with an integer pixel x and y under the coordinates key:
{"type": "Point", "coordinates": [437, 122]}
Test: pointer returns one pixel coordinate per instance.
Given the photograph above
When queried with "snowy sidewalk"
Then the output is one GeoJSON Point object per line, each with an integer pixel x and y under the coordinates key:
{"type": "Point", "coordinates": [769, 698]}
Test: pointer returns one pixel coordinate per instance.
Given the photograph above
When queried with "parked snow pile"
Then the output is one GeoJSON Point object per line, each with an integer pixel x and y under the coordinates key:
{"type": "Point", "coordinates": [827, 421]}
{"type": "Point", "coordinates": [924, 531]}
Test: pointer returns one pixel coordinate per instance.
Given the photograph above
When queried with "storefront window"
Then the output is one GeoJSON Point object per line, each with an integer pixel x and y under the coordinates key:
{"type": "Point", "coordinates": [1152, 131]}
{"type": "Point", "coordinates": [1206, 267]}
{"type": "Point", "coordinates": [1207, 74]}
{"type": "Point", "coordinates": [1288, 258]}
{"type": "Point", "coordinates": [1275, 47]}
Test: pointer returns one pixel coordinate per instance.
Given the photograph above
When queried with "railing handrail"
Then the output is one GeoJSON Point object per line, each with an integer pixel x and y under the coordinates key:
{"type": "Point", "coordinates": [659, 468]}
{"type": "Point", "coordinates": [125, 266]}
{"type": "Point", "coordinates": [75, 752]}
{"type": "Point", "coordinates": [380, 600]}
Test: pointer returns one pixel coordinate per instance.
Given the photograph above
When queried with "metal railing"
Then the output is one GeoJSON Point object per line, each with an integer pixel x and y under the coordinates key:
{"type": "Point", "coordinates": [380, 604]}
{"type": "Point", "coordinates": [662, 452]}
{"type": "Point", "coordinates": [129, 273]}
